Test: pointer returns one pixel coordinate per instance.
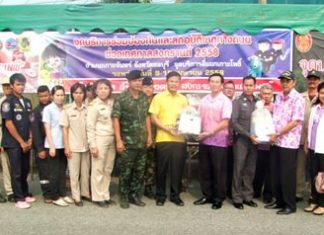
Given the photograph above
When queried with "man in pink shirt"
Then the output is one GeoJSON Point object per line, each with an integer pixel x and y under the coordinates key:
{"type": "Point", "coordinates": [215, 112]}
{"type": "Point", "coordinates": [288, 114]}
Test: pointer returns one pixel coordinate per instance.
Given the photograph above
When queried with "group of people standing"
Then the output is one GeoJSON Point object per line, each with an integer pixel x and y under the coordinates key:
{"type": "Point", "coordinates": [141, 129]}
{"type": "Point", "coordinates": [254, 168]}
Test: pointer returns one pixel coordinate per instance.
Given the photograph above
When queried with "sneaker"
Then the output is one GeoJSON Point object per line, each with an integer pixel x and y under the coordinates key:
{"type": "Point", "coordinates": [67, 199]}
{"type": "Point", "coordinates": [22, 205]}
{"type": "Point", "coordinates": [60, 202]}
{"type": "Point", "coordinates": [310, 208]}
{"type": "Point", "coordinates": [319, 211]}
{"type": "Point", "coordinates": [30, 199]}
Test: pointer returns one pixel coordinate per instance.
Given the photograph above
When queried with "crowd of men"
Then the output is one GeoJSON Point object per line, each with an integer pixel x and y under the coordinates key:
{"type": "Point", "coordinates": [141, 129]}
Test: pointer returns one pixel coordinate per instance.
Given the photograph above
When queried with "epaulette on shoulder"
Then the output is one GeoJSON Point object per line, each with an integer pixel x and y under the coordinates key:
{"type": "Point", "coordinates": [92, 103]}
{"type": "Point", "coordinates": [67, 106]}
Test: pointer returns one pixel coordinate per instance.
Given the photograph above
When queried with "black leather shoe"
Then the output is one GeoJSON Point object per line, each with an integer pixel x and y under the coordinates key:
{"type": "Point", "coordinates": [177, 201]}
{"type": "Point", "coordinates": [217, 205]}
{"type": "Point", "coordinates": [160, 202]}
{"type": "Point", "coordinates": [238, 206]}
{"type": "Point", "coordinates": [299, 199]}
{"type": "Point", "coordinates": [11, 198]}
{"type": "Point", "coordinates": [2, 199]}
{"type": "Point", "coordinates": [250, 203]}
{"type": "Point", "coordinates": [202, 201]}
{"type": "Point", "coordinates": [110, 202]}
{"type": "Point", "coordinates": [79, 203]}
{"type": "Point", "coordinates": [148, 192]}
{"type": "Point", "coordinates": [123, 202]}
{"type": "Point", "coordinates": [267, 200]}
{"type": "Point", "coordinates": [102, 204]}
{"type": "Point", "coordinates": [134, 199]}
{"type": "Point", "coordinates": [86, 199]}
{"type": "Point", "coordinates": [285, 211]}
{"type": "Point", "coordinates": [273, 205]}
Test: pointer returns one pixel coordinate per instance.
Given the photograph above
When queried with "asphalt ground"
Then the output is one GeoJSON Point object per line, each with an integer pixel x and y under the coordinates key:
{"type": "Point", "coordinates": [45, 219]}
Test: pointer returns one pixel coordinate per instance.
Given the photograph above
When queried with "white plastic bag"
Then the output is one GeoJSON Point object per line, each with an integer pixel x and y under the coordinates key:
{"type": "Point", "coordinates": [262, 123]}
{"type": "Point", "coordinates": [190, 122]}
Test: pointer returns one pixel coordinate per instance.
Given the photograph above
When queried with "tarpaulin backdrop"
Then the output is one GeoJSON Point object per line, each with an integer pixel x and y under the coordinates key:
{"type": "Point", "coordinates": [51, 58]}
{"type": "Point", "coordinates": [309, 52]}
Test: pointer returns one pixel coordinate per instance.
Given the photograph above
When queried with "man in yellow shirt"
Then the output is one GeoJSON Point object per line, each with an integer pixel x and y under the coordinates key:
{"type": "Point", "coordinates": [165, 110]}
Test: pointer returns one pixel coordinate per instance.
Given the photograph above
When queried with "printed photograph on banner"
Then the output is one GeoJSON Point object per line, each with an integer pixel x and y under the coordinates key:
{"type": "Point", "coordinates": [19, 54]}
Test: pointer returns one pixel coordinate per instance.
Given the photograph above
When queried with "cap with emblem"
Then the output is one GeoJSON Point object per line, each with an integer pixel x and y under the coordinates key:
{"type": "Point", "coordinates": [314, 73]}
{"type": "Point", "coordinates": [147, 81]}
{"type": "Point", "coordinates": [134, 74]}
{"type": "Point", "coordinates": [287, 75]}
{"type": "Point", "coordinates": [5, 81]}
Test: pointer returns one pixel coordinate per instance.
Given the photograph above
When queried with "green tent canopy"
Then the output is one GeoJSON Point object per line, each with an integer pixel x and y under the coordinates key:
{"type": "Point", "coordinates": [156, 18]}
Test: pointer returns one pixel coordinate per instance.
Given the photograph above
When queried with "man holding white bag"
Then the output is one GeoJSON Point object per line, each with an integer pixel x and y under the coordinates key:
{"type": "Point", "coordinates": [215, 112]}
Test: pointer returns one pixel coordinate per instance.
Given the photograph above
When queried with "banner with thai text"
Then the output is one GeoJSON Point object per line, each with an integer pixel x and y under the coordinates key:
{"type": "Point", "coordinates": [309, 53]}
{"type": "Point", "coordinates": [51, 58]}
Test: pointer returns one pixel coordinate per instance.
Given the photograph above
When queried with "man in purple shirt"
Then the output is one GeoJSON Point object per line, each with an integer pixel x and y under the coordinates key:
{"type": "Point", "coordinates": [288, 114]}
{"type": "Point", "coordinates": [215, 111]}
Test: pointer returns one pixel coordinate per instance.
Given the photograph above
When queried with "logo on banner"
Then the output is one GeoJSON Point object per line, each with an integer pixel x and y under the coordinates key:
{"type": "Point", "coordinates": [11, 44]}
{"type": "Point", "coordinates": [304, 42]}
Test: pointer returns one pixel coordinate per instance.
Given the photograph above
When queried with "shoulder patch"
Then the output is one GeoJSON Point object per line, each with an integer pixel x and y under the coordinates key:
{"type": "Point", "coordinates": [5, 107]}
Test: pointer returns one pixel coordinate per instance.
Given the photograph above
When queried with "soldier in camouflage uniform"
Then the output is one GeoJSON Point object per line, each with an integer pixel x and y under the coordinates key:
{"type": "Point", "coordinates": [133, 136]}
{"type": "Point", "coordinates": [149, 177]}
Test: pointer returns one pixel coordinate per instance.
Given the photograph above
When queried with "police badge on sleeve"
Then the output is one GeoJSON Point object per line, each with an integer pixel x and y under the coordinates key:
{"type": "Point", "coordinates": [5, 107]}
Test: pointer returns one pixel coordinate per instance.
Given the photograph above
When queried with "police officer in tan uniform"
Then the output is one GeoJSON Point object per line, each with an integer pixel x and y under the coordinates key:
{"type": "Point", "coordinates": [73, 121]}
{"type": "Point", "coordinates": [3, 155]}
{"type": "Point", "coordinates": [102, 142]}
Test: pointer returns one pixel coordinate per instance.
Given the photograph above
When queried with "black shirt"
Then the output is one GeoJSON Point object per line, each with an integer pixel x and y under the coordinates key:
{"type": "Point", "coordinates": [18, 112]}
{"type": "Point", "coordinates": [38, 129]}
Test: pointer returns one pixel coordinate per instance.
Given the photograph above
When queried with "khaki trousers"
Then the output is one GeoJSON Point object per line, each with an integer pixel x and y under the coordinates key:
{"type": "Point", "coordinates": [79, 169]}
{"type": "Point", "coordinates": [102, 167]}
{"type": "Point", "coordinates": [6, 173]}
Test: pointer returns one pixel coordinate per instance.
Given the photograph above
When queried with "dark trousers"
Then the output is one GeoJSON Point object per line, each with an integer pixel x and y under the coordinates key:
{"type": "Point", "coordinates": [244, 169]}
{"type": "Point", "coordinates": [229, 171]}
{"type": "Point", "coordinates": [169, 155]}
{"type": "Point", "coordinates": [212, 169]}
{"type": "Point", "coordinates": [19, 164]}
{"type": "Point", "coordinates": [283, 175]}
{"type": "Point", "coordinates": [57, 174]}
{"type": "Point", "coordinates": [317, 165]}
{"type": "Point", "coordinates": [132, 168]}
{"type": "Point", "coordinates": [43, 172]}
{"type": "Point", "coordinates": [149, 176]}
{"type": "Point", "coordinates": [262, 178]}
